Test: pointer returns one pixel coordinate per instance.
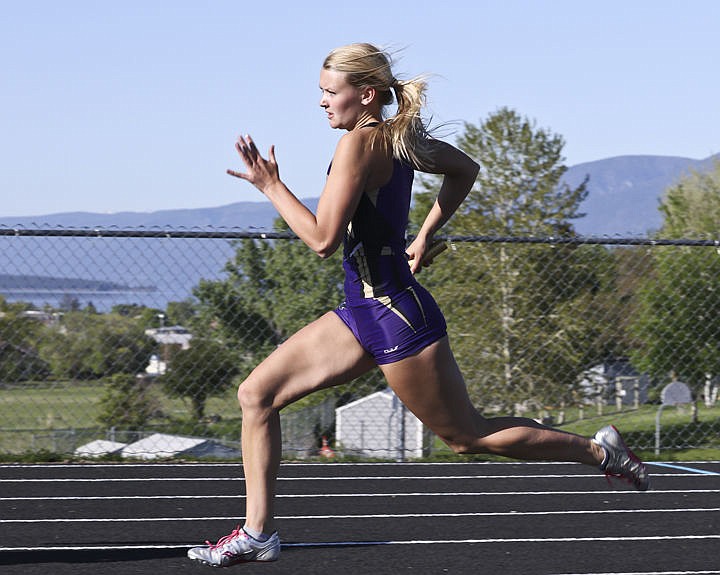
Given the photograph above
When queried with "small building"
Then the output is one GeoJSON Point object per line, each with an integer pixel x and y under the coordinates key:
{"type": "Point", "coordinates": [99, 448]}
{"type": "Point", "coordinates": [158, 446]}
{"type": "Point", "coordinates": [171, 339]}
{"type": "Point", "coordinates": [380, 426]}
{"type": "Point", "coordinates": [156, 366]}
{"type": "Point", "coordinates": [615, 382]}
{"type": "Point", "coordinates": [162, 445]}
{"type": "Point", "coordinates": [175, 335]}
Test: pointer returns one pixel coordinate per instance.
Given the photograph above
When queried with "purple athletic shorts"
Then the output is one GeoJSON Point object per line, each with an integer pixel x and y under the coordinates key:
{"type": "Point", "coordinates": [393, 327]}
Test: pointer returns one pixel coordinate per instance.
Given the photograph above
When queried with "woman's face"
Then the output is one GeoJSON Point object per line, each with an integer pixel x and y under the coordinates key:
{"type": "Point", "coordinates": [341, 101]}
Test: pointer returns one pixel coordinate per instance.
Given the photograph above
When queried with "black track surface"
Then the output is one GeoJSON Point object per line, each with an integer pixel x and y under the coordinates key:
{"type": "Point", "coordinates": [490, 518]}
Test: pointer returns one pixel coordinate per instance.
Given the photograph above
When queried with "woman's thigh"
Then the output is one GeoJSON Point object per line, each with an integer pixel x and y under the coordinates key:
{"type": "Point", "coordinates": [431, 386]}
{"type": "Point", "coordinates": [322, 354]}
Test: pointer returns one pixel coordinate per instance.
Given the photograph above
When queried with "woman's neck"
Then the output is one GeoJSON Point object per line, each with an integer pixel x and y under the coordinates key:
{"type": "Point", "coordinates": [366, 119]}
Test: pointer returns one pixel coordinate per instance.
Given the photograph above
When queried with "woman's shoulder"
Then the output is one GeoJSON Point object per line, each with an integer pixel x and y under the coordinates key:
{"type": "Point", "coordinates": [360, 143]}
{"type": "Point", "coordinates": [357, 152]}
{"type": "Point", "coordinates": [357, 137]}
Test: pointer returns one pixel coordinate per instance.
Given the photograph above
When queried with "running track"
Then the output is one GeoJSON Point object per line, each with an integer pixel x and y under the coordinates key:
{"type": "Point", "coordinates": [489, 518]}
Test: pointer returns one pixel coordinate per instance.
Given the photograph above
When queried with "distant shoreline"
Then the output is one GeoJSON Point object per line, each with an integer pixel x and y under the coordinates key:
{"type": "Point", "coordinates": [14, 292]}
{"type": "Point", "coordinates": [25, 283]}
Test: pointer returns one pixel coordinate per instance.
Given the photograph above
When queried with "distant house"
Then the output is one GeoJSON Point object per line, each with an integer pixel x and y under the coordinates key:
{"type": "Point", "coordinates": [156, 366]}
{"type": "Point", "coordinates": [615, 381]}
{"type": "Point", "coordinates": [99, 448]}
{"type": "Point", "coordinates": [175, 335]}
{"type": "Point", "coordinates": [47, 318]}
{"type": "Point", "coordinates": [379, 425]}
{"type": "Point", "coordinates": [171, 339]}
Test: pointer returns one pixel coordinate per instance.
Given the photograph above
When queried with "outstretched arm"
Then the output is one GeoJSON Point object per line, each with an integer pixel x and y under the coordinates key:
{"type": "Point", "coordinates": [459, 172]}
{"type": "Point", "coordinates": [323, 231]}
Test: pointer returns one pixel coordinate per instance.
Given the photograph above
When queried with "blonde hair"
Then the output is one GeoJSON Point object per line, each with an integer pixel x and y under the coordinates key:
{"type": "Point", "coordinates": [365, 65]}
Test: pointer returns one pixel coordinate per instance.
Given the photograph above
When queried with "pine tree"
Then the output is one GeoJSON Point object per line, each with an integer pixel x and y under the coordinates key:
{"type": "Point", "coordinates": [516, 310]}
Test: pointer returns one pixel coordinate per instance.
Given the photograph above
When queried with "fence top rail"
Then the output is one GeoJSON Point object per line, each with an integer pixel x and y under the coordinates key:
{"type": "Point", "coordinates": [236, 234]}
{"type": "Point", "coordinates": [586, 240]}
{"type": "Point", "coordinates": [144, 233]}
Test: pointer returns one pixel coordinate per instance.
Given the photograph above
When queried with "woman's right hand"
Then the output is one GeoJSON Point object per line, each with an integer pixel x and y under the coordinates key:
{"type": "Point", "coordinates": [260, 172]}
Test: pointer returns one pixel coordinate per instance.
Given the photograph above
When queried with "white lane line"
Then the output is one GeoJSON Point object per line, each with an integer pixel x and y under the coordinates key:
{"type": "Point", "coordinates": [501, 493]}
{"type": "Point", "coordinates": [291, 464]}
{"type": "Point", "coordinates": [356, 478]}
{"type": "Point", "coordinates": [396, 542]}
{"type": "Point", "coordinates": [517, 540]}
{"type": "Point", "coordinates": [318, 464]}
{"type": "Point", "coordinates": [683, 468]}
{"type": "Point", "coordinates": [293, 479]}
{"type": "Point", "coordinates": [366, 516]}
{"type": "Point", "coordinates": [210, 496]}
{"type": "Point", "coordinates": [94, 548]}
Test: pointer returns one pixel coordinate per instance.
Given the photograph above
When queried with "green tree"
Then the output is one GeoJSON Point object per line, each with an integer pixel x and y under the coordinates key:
{"type": "Point", "coordinates": [691, 207]}
{"type": "Point", "coordinates": [519, 188]}
{"type": "Point", "coordinates": [181, 312]}
{"type": "Point", "coordinates": [19, 359]}
{"type": "Point", "coordinates": [621, 273]}
{"type": "Point", "coordinates": [128, 309]}
{"type": "Point", "coordinates": [203, 370]}
{"type": "Point", "coordinates": [90, 346]}
{"type": "Point", "coordinates": [128, 403]}
{"type": "Point", "coordinates": [678, 320]}
{"type": "Point", "coordinates": [517, 311]}
{"type": "Point", "coordinates": [272, 289]}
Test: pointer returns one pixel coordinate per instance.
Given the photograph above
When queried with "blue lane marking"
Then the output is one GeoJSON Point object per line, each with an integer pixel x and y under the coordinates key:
{"type": "Point", "coordinates": [683, 468]}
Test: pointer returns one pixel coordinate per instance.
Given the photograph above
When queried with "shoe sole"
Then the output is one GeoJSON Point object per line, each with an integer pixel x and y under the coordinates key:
{"type": "Point", "coordinates": [234, 561]}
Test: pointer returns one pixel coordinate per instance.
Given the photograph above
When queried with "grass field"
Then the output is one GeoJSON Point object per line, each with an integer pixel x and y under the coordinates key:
{"type": "Point", "coordinates": [52, 418]}
{"type": "Point", "coordinates": [57, 418]}
{"type": "Point", "coordinates": [78, 404]}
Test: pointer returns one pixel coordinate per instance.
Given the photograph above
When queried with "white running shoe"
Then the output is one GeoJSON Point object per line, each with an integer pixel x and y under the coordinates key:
{"type": "Point", "coordinates": [238, 547]}
{"type": "Point", "coordinates": [619, 460]}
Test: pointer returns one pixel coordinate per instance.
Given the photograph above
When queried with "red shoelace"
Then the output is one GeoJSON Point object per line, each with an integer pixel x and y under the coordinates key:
{"type": "Point", "coordinates": [237, 532]}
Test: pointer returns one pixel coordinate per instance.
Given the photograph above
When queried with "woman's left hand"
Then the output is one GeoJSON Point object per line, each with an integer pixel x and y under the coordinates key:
{"type": "Point", "coordinates": [416, 254]}
{"type": "Point", "coordinates": [421, 253]}
{"type": "Point", "coordinates": [260, 172]}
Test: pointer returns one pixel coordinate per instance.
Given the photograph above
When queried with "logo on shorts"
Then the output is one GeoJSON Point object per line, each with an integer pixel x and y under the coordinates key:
{"type": "Point", "coordinates": [391, 349]}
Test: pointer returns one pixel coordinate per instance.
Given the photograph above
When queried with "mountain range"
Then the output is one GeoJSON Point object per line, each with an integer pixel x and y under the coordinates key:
{"type": "Point", "coordinates": [624, 193]}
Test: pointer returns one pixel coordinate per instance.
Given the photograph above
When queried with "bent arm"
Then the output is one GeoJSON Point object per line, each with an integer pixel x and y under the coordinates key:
{"type": "Point", "coordinates": [323, 231]}
{"type": "Point", "coordinates": [459, 172]}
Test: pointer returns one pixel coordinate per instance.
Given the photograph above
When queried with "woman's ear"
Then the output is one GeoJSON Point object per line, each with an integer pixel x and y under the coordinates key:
{"type": "Point", "coordinates": [367, 95]}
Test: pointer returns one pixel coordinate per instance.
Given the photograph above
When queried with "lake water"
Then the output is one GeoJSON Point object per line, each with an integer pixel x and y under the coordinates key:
{"type": "Point", "coordinates": [156, 270]}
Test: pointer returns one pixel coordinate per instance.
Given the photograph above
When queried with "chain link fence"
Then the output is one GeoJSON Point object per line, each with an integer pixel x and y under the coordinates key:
{"type": "Point", "coordinates": [131, 343]}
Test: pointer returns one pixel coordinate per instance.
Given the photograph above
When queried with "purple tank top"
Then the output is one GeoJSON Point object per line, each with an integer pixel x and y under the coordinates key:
{"type": "Point", "coordinates": [375, 262]}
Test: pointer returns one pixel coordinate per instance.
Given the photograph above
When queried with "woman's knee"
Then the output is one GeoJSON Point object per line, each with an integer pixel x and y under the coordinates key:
{"type": "Point", "coordinates": [469, 438]}
{"type": "Point", "coordinates": [464, 445]}
{"type": "Point", "coordinates": [254, 394]}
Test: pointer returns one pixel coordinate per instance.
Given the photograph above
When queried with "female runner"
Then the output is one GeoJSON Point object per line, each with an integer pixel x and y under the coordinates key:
{"type": "Point", "coordinates": [387, 319]}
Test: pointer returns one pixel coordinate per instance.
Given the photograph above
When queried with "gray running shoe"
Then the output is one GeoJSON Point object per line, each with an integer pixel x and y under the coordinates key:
{"type": "Point", "coordinates": [238, 547]}
{"type": "Point", "coordinates": [619, 460]}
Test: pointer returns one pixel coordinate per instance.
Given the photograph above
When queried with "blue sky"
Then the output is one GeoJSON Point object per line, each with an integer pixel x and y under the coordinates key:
{"type": "Point", "coordinates": [135, 105]}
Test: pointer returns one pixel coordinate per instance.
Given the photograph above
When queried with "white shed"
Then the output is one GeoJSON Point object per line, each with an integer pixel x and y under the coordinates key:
{"type": "Point", "coordinates": [379, 425]}
{"type": "Point", "coordinates": [99, 448]}
{"type": "Point", "coordinates": [160, 445]}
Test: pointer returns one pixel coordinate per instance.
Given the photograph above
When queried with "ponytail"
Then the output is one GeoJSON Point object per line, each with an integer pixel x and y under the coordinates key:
{"type": "Point", "coordinates": [405, 133]}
